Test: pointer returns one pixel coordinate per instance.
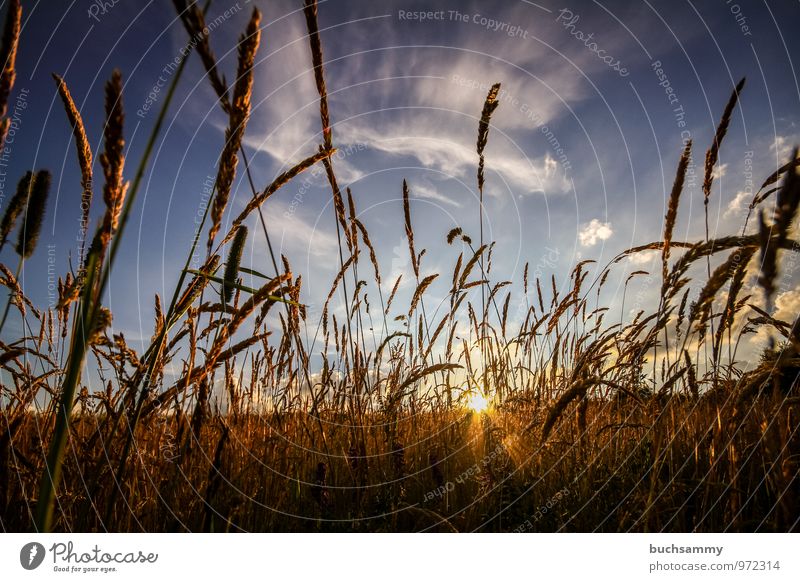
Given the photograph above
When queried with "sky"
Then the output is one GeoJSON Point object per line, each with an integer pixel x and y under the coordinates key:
{"type": "Point", "coordinates": [597, 99]}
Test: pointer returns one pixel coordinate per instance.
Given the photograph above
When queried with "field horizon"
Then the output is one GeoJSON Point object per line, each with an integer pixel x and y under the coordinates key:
{"type": "Point", "coordinates": [444, 385]}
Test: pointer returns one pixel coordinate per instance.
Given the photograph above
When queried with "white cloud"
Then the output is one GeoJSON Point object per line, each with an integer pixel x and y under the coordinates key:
{"type": "Point", "coordinates": [400, 264]}
{"type": "Point", "coordinates": [285, 122]}
{"type": "Point", "coordinates": [429, 192]}
{"type": "Point", "coordinates": [787, 306]}
{"type": "Point", "coordinates": [452, 153]}
{"type": "Point", "coordinates": [643, 258]}
{"type": "Point", "coordinates": [719, 171]}
{"type": "Point", "coordinates": [594, 232]}
{"type": "Point", "coordinates": [293, 235]}
{"type": "Point", "coordinates": [737, 206]}
{"type": "Point", "coordinates": [782, 146]}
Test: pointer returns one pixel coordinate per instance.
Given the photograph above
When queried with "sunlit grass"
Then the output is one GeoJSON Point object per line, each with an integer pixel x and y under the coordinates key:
{"type": "Point", "coordinates": [397, 435]}
{"type": "Point", "coordinates": [477, 402]}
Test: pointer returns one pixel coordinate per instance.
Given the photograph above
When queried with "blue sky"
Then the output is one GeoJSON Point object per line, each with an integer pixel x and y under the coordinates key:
{"type": "Point", "coordinates": [581, 153]}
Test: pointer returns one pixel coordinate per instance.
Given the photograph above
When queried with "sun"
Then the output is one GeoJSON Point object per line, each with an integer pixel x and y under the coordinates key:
{"type": "Point", "coordinates": [477, 402]}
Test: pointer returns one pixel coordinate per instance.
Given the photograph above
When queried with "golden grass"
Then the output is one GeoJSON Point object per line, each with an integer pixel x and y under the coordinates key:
{"type": "Point", "coordinates": [625, 430]}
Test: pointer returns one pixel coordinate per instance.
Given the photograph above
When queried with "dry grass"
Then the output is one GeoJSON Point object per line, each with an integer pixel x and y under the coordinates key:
{"type": "Point", "coordinates": [640, 425]}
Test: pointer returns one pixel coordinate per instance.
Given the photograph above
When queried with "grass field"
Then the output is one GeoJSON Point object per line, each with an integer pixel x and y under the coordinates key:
{"type": "Point", "coordinates": [473, 419]}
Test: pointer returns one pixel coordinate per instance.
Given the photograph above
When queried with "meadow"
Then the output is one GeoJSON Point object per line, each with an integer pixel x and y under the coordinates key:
{"type": "Point", "coordinates": [470, 419]}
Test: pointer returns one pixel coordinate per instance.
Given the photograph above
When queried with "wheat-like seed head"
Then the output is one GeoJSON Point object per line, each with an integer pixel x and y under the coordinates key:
{"type": "Point", "coordinates": [82, 146]}
{"type": "Point", "coordinates": [372, 255]}
{"type": "Point", "coordinates": [737, 282]}
{"type": "Point", "coordinates": [232, 263]}
{"type": "Point", "coordinates": [103, 321]}
{"type": "Point", "coordinates": [775, 236]}
{"type": "Point", "coordinates": [194, 22]}
{"type": "Point", "coordinates": [700, 310]}
{"type": "Point", "coordinates": [310, 10]}
{"type": "Point", "coordinates": [15, 207]}
{"type": "Point", "coordinates": [352, 232]}
{"type": "Point", "coordinates": [712, 155]}
{"type": "Point", "coordinates": [239, 115]}
{"type": "Point", "coordinates": [34, 214]}
{"type": "Point", "coordinates": [672, 207]}
{"type": "Point", "coordinates": [409, 229]}
{"type": "Point", "coordinates": [395, 287]}
{"type": "Point", "coordinates": [338, 200]}
{"type": "Point", "coordinates": [424, 284]}
{"type": "Point", "coordinates": [489, 106]}
{"type": "Point", "coordinates": [276, 185]}
{"type": "Point", "coordinates": [112, 161]}
{"type": "Point", "coordinates": [8, 56]}
{"type": "Point", "coordinates": [451, 236]}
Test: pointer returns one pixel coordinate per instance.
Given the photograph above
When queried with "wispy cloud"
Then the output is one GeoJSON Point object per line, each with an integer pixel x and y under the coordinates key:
{"type": "Point", "coordinates": [452, 153]}
{"type": "Point", "coordinates": [782, 146]}
{"type": "Point", "coordinates": [644, 258]}
{"type": "Point", "coordinates": [429, 191]}
{"type": "Point", "coordinates": [294, 234]}
{"type": "Point", "coordinates": [737, 206]}
{"type": "Point", "coordinates": [719, 171]}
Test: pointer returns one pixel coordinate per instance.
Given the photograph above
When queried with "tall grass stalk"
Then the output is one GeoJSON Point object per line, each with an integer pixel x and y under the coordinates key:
{"type": "Point", "coordinates": [97, 277]}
